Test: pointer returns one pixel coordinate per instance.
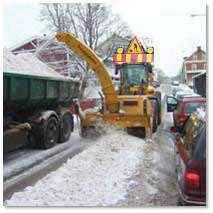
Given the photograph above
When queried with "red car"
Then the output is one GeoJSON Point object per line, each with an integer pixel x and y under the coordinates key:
{"type": "Point", "coordinates": [182, 109]}
{"type": "Point", "coordinates": [191, 166]}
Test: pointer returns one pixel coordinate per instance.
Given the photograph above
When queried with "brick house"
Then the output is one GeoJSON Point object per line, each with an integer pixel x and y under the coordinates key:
{"type": "Point", "coordinates": [193, 65]}
{"type": "Point", "coordinates": [58, 57]}
{"type": "Point", "coordinates": [106, 49]}
{"type": "Point", "coordinates": [54, 54]}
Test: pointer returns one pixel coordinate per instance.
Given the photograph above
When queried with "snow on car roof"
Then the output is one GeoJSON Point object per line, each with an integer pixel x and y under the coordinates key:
{"type": "Point", "coordinates": [192, 95]}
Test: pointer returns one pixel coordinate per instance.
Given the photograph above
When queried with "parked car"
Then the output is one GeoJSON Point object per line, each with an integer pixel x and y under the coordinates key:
{"type": "Point", "coordinates": [191, 163]}
{"type": "Point", "coordinates": [180, 95]}
{"type": "Point", "coordinates": [175, 83]}
{"type": "Point", "coordinates": [182, 88]}
{"type": "Point", "coordinates": [183, 108]}
{"type": "Point", "coordinates": [155, 84]}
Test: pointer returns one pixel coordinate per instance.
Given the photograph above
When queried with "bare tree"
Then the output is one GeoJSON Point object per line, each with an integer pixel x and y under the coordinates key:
{"type": "Point", "coordinates": [91, 22]}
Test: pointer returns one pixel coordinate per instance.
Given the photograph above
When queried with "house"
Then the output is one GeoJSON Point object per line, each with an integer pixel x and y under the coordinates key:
{"type": "Point", "coordinates": [53, 54]}
{"type": "Point", "coordinates": [106, 49]}
{"type": "Point", "coordinates": [62, 60]}
{"type": "Point", "coordinates": [193, 65]}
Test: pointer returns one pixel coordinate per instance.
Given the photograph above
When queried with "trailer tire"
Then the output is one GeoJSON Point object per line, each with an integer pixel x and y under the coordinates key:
{"type": "Point", "coordinates": [31, 142]}
{"type": "Point", "coordinates": [50, 134]}
{"type": "Point", "coordinates": [66, 128]}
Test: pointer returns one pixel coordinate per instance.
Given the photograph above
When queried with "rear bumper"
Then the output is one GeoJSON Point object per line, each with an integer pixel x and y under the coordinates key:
{"type": "Point", "coordinates": [188, 201]}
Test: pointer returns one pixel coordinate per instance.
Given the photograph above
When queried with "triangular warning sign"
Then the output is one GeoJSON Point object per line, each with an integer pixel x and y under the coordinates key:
{"type": "Point", "coordinates": [134, 47]}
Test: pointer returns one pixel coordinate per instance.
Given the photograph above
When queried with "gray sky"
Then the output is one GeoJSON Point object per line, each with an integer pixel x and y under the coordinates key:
{"type": "Point", "coordinates": [173, 32]}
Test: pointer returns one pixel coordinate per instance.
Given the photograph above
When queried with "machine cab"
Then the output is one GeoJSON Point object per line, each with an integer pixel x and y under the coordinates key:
{"type": "Point", "coordinates": [134, 76]}
{"type": "Point", "coordinates": [134, 66]}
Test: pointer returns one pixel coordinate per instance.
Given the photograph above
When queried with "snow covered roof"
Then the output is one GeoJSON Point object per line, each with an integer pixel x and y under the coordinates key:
{"type": "Point", "coordinates": [199, 74]}
{"type": "Point", "coordinates": [28, 40]}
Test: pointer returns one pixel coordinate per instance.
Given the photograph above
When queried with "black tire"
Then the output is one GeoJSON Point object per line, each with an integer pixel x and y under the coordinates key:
{"type": "Point", "coordinates": [179, 202]}
{"type": "Point", "coordinates": [31, 142]}
{"type": "Point", "coordinates": [137, 131]}
{"type": "Point", "coordinates": [66, 127]}
{"type": "Point", "coordinates": [154, 119]}
{"type": "Point", "coordinates": [159, 114]}
{"type": "Point", "coordinates": [158, 94]}
{"type": "Point", "coordinates": [49, 133]}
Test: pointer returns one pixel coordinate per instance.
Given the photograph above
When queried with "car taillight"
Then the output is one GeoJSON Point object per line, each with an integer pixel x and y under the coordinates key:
{"type": "Point", "coordinates": [192, 181]}
{"type": "Point", "coordinates": [181, 119]}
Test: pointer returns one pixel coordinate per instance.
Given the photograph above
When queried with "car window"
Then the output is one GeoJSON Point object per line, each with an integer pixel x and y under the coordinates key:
{"type": "Point", "coordinates": [171, 100]}
{"type": "Point", "coordinates": [192, 107]}
{"type": "Point", "coordinates": [199, 152]}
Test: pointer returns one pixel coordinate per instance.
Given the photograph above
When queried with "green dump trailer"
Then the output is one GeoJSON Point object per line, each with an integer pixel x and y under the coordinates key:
{"type": "Point", "coordinates": [36, 110]}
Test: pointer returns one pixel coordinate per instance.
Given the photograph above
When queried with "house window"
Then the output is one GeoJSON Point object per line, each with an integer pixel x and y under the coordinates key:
{"type": "Point", "coordinates": [194, 57]}
{"type": "Point", "coordinates": [203, 57]}
{"type": "Point", "coordinates": [194, 66]}
{"type": "Point", "coordinates": [204, 66]}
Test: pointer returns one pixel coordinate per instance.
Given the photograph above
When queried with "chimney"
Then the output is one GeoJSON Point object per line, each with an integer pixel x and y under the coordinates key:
{"type": "Point", "coordinates": [199, 48]}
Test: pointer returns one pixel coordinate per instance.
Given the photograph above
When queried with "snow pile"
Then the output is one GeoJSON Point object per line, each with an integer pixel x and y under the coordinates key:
{"type": "Point", "coordinates": [28, 64]}
{"type": "Point", "coordinates": [99, 176]}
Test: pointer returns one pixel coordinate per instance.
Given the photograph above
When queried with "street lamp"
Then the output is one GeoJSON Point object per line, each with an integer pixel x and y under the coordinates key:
{"type": "Point", "coordinates": [195, 15]}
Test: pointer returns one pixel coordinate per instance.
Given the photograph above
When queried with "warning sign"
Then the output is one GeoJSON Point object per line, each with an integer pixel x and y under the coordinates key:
{"type": "Point", "coordinates": [134, 47]}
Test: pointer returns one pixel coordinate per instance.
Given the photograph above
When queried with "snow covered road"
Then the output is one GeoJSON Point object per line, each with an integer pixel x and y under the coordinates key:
{"type": "Point", "coordinates": [156, 180]}
{"type": "Point", "coordinates": [24, 167]}
{"type": "Point", "coordinates": [96, 177]}
{"type": "Point", "coordinates": [118, 170]}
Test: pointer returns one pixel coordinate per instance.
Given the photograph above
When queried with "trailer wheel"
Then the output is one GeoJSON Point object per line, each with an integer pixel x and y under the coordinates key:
{"type": "Point", "coordinates": [31, 142]}
{"type": "Point", "coordinates": [67, 127]}
{"type": "Point", "coordinates": [50, 134]}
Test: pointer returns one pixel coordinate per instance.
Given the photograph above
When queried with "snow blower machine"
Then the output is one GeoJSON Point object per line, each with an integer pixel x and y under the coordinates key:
{"type": "Point", "coordinates": [135, 105]}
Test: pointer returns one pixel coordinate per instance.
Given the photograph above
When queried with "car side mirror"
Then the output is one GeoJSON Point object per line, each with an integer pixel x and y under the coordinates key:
{"type": "Point", "coordinates": [171, 103]}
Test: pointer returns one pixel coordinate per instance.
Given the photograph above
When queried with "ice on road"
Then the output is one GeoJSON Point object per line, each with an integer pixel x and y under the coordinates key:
{"type": "Point", "coordinates": [99, 176]}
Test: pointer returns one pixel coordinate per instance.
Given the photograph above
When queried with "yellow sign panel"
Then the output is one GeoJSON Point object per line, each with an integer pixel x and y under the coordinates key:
{"type": "Point", "coordinates": [134, 47]}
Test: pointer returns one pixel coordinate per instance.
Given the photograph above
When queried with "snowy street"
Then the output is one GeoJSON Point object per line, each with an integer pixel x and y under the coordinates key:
{"type": "Point", "coordinates": [105, 104]}
{"type": "Point", "coordinates": [116, 170]}
{"type": "Point", "coordinates": [19, 173]}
